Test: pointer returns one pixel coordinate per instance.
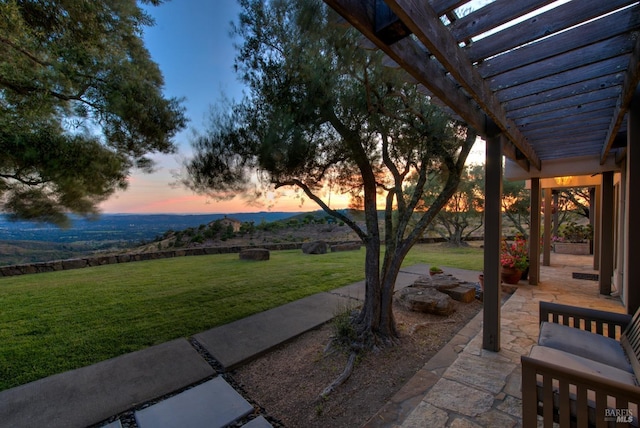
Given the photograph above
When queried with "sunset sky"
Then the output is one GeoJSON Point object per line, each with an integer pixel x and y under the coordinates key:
{"type": "Point", "coordinates": [192, 45]}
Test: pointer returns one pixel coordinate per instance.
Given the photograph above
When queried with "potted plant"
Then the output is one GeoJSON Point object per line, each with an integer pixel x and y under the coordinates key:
{"type": "Point", "coordinates": [514, 259]}
{"type": "Point", "coordinates": [435, 270]}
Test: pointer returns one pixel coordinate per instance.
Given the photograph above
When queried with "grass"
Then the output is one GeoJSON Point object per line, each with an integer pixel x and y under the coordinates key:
{"type": "Point", "coordinates": [54, 322]}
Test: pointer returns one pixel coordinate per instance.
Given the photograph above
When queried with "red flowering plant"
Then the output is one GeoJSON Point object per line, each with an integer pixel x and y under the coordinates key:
{"type": "Point", "coordinates": [515, 255]}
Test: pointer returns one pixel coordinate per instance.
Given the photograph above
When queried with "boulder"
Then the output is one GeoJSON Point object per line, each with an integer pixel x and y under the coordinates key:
{"type": "Point", "coordinates": [439, 282]}
{"type": "Point", "coordinates": [423, 281]}
{"type": "Point", "coordinates": [444, 282]}
{"type": "Point", "coordinates": [254, 254]}
{"type": "Point", "coordinates": [427, 300]}
{"type": "Point", "coordinates": [316, 247]}
{"type": "Point", "coordinates": [461, 293]}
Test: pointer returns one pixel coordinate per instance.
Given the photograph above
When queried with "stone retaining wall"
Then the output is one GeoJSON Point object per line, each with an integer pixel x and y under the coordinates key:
{"type": "Point", "coordinates": [84, 262]}
{"type": "Point", "coordinates": [127, 258]}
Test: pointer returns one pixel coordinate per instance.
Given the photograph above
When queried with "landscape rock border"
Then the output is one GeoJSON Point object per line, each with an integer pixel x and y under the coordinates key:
{"type": "Point", "coordinates": [84, 262]}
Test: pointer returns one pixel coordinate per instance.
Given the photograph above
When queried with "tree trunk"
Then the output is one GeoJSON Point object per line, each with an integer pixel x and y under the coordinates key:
{"type": "Point", "coordinates": [456, 238]}
{"type": "Point", "coordinates": [376, 323]}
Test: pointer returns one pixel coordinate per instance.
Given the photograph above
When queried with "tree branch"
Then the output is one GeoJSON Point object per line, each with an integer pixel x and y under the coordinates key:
{"type": "Point", "coordinates": [26, 53]}
{"type": "Point", "coordinates": [337, 214]}
{"type": "Point", "coordinates": [25, 181]}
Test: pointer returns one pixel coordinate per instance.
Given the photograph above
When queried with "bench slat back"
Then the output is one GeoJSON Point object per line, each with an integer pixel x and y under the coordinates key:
{"type": "Point", "coordinates": [630, 341]}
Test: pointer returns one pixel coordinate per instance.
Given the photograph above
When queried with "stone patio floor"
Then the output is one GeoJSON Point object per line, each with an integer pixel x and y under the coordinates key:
{"type": "Point", "coordinates": [466, 386]}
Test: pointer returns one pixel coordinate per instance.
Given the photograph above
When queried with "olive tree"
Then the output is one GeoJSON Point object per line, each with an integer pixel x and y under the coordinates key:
{"type": "Point", "coordinates": [323, 108]}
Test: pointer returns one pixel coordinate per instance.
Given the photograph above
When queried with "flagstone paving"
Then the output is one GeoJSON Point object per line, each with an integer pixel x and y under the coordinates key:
{"type": "Point", "coordinates": [467, 386]}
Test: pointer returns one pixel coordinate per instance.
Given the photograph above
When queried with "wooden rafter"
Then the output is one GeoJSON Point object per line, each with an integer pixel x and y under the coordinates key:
{"type": "Point", "coordinates": [423, 21]}
{"type": "Point", "coordinates": [631, 81]}
{"type": "Point", "coordinates": [410, 56]}
{"type": "Point", "coordinates": [558, 19]}
{"type": "Point", "coordinates": [556, 83]}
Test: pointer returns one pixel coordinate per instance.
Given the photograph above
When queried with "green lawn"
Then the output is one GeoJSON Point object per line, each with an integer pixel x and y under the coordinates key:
{"type": "Point", "coordinates": [53, 322]}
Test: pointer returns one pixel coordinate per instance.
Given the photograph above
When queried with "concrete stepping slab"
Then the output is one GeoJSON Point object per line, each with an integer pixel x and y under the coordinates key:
{"type": "Point", "coordinates": [114, 424]}
{"type": "Point", "coordinates": [213, 404]}
{"type": "Point", "coordinates": [240, 341]}
{"type": "Point", "coordinates": [94, 393]}
{"type": "Point", "coordinates": [259, 422]}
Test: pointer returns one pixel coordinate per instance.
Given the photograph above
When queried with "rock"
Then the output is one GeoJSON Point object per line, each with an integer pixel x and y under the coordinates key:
{"type": "Point", "coordinates": [439, 282]}
{"type": "Point", "coordinates": [423, 281]}
{"type": "Point", "coordinates": [461, 293]}
{"type": "Point", "coordinates": [427, 300]}
{"type": "Point", "coordinates": [444, 282]}
{"type": "Point", "coordinates": [316, 247]}
{"type": "Point", "coordinates": [254, 254]}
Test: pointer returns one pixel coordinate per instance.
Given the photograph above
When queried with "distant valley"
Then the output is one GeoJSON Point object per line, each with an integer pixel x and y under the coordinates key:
{"type": "Point", "coordinates": [27, 242]}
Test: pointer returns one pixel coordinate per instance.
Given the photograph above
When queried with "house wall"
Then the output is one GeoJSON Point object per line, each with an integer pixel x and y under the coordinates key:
{"type": "Point", "coordinates": [631, 269]}
{"type": "Point", "coordinates": [619, 182]}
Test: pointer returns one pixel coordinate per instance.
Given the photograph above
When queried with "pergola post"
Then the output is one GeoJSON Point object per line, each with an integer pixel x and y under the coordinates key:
{"type": "Point", "coordinates": [632, 225]}
{"type": "Point", "coordinates": [556, 213]}
{"type": "Point", "coordinates": [492, 240]}
{"type": "Point", "coordinates": [606, 233]}
{"type": "Point", "coordinates": [534, 233]}
{"type": "Point", "coordinates": [546, 238]}
{"type": "Point", "coordinates": [595, 220]}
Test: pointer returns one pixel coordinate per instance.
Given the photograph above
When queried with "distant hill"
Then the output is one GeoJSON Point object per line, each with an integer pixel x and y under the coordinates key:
{"type": "Point", "coordinates": [28, 242]}
{"type": "Point", "coordinates": [121, 227]}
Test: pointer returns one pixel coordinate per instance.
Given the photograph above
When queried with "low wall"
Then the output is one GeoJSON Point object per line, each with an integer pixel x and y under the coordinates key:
{"type": "Point", "coordinates": [92, 261]}
{"type": "Point", "coordinates": [84, 262]}
{"type": "Point", "coordinates": [580, 248]}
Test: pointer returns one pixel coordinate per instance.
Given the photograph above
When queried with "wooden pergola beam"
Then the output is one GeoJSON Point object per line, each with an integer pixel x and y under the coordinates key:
{"type": "Point", "coordinates": [631, 81]}
{"type": "Point", "coordinates": [423, 21]}
{"type": "Point", "coordinates": [414, 60]}
{"type": "Point", "coordinates": [560, 18]}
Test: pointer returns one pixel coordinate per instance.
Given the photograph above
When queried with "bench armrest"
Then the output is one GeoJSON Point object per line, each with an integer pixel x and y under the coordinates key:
{"type": "Point", "coordinates": [605, 323]}
{"type": "Point", "coordinates": [567, 395]}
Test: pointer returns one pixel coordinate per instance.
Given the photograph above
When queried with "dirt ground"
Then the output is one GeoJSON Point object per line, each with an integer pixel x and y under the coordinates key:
{"type": "Point", "coordinates": [287, 382]}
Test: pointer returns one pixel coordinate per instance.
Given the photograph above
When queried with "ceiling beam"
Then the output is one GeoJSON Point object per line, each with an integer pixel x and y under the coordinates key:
{"type": "Point", "coordinates": [422, 20]}
{"type": "Point", "coordinates": [631, 81]}
{"type": "Point", "coordinates": [414, 60]}
{"type": "Point", "coordinates": [542, 25]}
{"type": "Point", "coordinates": [492, 15]}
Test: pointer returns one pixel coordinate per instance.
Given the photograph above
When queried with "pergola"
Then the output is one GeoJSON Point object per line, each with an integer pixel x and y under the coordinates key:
{"type": "Point", "coordinates": [551, 85]}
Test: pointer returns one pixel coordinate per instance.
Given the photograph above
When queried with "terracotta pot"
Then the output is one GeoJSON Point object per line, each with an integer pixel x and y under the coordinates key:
{"type": "Point", "coordinates": [510, 276]}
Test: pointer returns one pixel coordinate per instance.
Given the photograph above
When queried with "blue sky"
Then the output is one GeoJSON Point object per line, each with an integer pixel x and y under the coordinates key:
{"type": "Point", "coordinates": [191, 43]}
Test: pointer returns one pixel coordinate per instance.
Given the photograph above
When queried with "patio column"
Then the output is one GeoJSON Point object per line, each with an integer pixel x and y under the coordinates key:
{"type": "Point", "coordinates": [492, 239]}
{"type": "Point", "coordinates": [556, 214]}
{"type": "Point", "coordinates": [632, 246]}
{"type": "Point", "coordinates": [595, 218]}
{"type": "Point", "coordinates": [546, 238]}
{"type": "Point", "coordinates": [605, 222]}
{"type": "Point", "coordinates": [534, 233]}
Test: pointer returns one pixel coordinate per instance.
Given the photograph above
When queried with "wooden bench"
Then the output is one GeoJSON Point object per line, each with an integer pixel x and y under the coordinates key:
{"type": "Point", "coordinates": [584, 371]}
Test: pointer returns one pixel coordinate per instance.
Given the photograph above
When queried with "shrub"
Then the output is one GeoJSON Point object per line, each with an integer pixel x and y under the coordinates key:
{"type": "Point", "coordinates": [573, 232]}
